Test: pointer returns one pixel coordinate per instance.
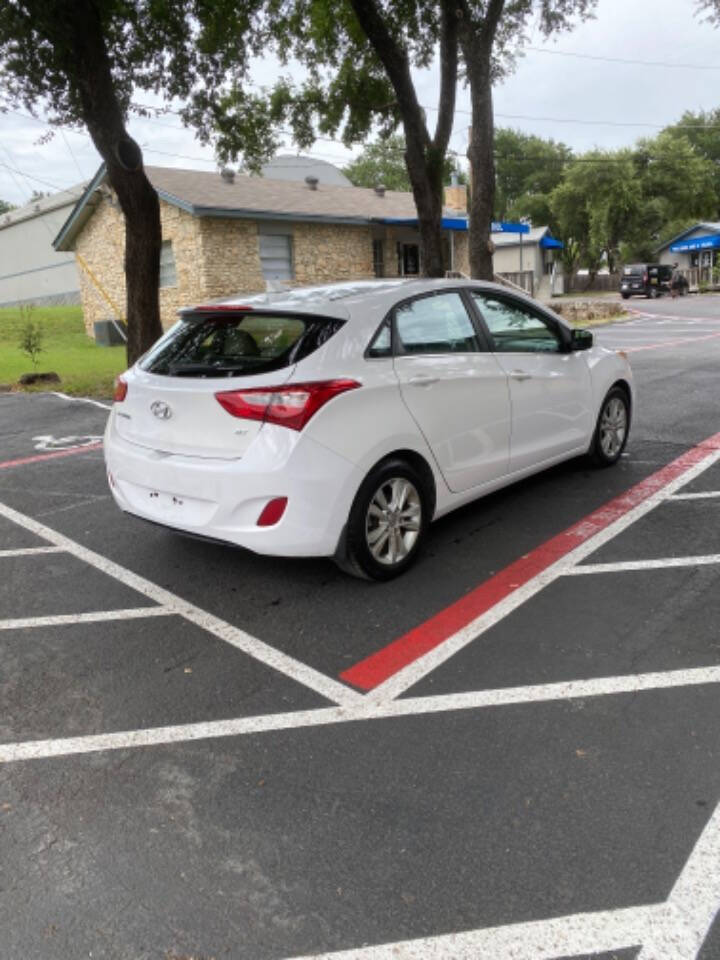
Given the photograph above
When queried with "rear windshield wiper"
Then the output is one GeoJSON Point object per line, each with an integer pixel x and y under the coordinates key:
{"type": "Point", "coordinates": [190, 369]}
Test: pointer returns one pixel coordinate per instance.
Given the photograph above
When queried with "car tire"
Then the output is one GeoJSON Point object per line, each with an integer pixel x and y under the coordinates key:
{"type": "Point", "coordinates": [625, 296]}
{"type": "Point", "coordinates": [388, 522]}
{"type": "Point", "coordinates": [612, 428]}
{"type": "Point", "coordinates": [652, 293]}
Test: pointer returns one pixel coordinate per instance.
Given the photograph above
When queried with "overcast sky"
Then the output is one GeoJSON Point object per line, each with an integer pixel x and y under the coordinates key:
{"type": "Point", "coordinates": [561, 89]}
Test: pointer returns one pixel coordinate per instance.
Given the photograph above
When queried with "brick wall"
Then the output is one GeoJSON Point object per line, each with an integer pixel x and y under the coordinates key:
{"type": "Point", "coordinates": [101, 244]}
{"type": "Point", "coordinates": [323, 253]}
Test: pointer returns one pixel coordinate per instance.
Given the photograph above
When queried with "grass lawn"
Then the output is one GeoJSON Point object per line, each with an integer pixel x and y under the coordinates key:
{"type": "Point", "coordinates": [84, 368]}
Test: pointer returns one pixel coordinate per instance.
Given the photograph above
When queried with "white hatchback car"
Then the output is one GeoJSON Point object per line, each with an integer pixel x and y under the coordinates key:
{"type": "Point", "coordinates": [340, 420]}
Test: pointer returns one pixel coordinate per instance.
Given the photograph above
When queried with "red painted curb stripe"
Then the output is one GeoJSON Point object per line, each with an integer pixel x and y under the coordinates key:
{"type": "Point", "coordinates": [379, 666]}
{"type": "Point", "coordinates": [671, 343]}
{"type": "Point", "coordinates": [49, 456]}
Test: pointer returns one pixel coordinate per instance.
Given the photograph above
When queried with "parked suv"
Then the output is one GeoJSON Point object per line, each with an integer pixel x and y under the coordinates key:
{"type": "Point", "coordinates": [648, 280]}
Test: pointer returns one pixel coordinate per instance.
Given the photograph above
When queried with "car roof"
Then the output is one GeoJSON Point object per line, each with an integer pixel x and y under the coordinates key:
{"type": "Point", "coordinates": [339, 299]}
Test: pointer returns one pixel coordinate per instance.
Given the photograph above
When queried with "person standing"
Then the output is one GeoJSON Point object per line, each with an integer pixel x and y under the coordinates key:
{"type": "Point", "coordinates": [676, 280]}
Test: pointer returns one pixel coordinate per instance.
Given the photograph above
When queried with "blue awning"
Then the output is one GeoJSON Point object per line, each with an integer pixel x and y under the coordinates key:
{"type": "Point", "coordinates": [550, 243]}
{"type": "Point", "coordinates": [710, 242]}
{"type": "Point", "coordinates": [461, 223]}
{"type": "Point", "coordinates": [448, 223]}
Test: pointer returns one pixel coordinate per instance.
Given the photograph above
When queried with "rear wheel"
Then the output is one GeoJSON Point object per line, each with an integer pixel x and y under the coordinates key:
{"type": "Point", "coordinates": [652, 293]}
{"type": "Point", "coordinates": [388, 522]}
{"type": "Point", "coordinates": [612, 428]}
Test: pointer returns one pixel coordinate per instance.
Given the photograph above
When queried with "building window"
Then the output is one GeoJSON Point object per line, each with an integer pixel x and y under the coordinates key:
{"type": "Point", "coordinates": [276, 256]}
{"type": "Point", "coordinates": [168, 274]}
{"type": "Point", "coordinates": [378, 258]}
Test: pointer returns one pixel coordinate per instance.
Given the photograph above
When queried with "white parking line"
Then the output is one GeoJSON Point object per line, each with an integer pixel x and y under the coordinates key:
{"type": "Point", "coordinates": [410, 675]}
{"type": "Point", "coordinates": [95, 403]}
{"type": "Point", "coordinates": [581, 933]}
{"type": "Point", "coordinates": [61, 619]}
{"type": "Point", "coordinates": [626, 566]}
{"type": "Point", "coordinates": [300, 672]}
{"type": "Point", "coordinates": [693, 902]}
{"type": "Point", "coordinates": [673, 930]}
{"type": "Point", "coordinates": [361, 712]}
{"type": "Point", "coordinates": [29, 551]}
{"type": "Point", "coordinates": [702, 495]}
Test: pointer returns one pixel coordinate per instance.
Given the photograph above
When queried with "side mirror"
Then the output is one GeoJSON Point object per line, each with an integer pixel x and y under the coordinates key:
{"type": "Point", "coordinates": [581, 340]}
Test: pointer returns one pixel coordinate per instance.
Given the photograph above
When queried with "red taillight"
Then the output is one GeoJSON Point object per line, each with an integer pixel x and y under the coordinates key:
{"type": "Point", "coordinates": [289, 406]}
{"type": "Point", "coordinates": [645, 278]}
{"type": "Point", "coordinates": [272, 512]}
{"type": "Point", "coordinates": [120, 390]}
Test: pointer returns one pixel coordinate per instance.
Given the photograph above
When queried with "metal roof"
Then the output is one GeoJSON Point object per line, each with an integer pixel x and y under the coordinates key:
{"type": "Point", "coordinates": [534, 235]}
{"type": "Point", "coordinates": [289, 167]}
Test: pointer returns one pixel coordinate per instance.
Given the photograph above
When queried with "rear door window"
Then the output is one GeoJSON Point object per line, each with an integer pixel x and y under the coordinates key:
{"type": "Point", "coordinates": [236, 344]}
{"type": "Point", "coordinates": [435, 324]}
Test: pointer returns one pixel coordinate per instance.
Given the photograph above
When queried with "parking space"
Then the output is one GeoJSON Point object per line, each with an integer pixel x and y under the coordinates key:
{"type": "Point", "coordinates": [510, 752]}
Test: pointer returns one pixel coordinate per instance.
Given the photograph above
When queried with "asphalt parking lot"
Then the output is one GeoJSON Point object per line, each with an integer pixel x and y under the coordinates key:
{"type": "Point", "coordinates": [511, 752]}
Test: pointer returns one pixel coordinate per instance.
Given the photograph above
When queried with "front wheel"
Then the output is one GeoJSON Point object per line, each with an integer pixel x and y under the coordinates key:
{"type": "Point", "coordinates": [387, 523]}
{"type": "Point", "coordinates": [612, 428]}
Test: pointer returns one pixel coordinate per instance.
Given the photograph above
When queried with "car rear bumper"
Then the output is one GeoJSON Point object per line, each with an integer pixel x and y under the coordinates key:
{"type": "Point", "coordinates": [223, 499]}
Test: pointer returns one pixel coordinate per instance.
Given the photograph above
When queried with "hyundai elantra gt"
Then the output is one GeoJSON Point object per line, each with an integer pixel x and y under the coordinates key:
{"type": "Point", "coordinates": [340, 420]}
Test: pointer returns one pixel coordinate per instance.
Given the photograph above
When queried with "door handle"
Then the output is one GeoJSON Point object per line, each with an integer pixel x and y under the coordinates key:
{"type": "Point", "coordinates": [423, 381]}
{"type": "Point", "coordinates": [520, 375]}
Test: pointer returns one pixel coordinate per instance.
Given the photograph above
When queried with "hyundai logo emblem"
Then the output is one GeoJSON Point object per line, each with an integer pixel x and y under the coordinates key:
{"type": "Point", "coordinates": [161, 410]}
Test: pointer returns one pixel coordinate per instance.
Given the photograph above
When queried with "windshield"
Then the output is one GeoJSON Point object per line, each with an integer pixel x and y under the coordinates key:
{"type": "Point", "coordinates": [236, 344]}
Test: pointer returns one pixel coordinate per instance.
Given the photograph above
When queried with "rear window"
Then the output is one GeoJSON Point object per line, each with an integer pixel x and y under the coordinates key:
{"type": "Point", "coordinates": [634, 270]}
{"type": "Point", "coordinates": [236, 344]}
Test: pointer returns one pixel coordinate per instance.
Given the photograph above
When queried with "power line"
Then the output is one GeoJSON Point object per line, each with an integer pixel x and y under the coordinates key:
{"type": "Point", "coordinates": [634, 63]}
{"type": "Point", "coordinates": [608, 123]}
{"type": "Point", "coordinates": [29, 176]}
{"type": "Point", "coordinates": [72, 154]}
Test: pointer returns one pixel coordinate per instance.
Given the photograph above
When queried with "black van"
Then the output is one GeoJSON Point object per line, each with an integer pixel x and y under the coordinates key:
{"type": "Point", "coordinates": [648, 280]}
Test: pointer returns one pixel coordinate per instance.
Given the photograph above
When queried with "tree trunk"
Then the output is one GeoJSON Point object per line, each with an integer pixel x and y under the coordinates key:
{"type": "Point", "coordinates": [427, 190]}
{"type": "Point", "coordinates": [91, 77]}
{"type": "Point", "coordinates": [143, 238]}
{"type": "Point", "coordinates": [424, 156]}
{"type": "Point", "coordinates": [482, 164]}
{"type": "Point", "coordinates": [477, 36]}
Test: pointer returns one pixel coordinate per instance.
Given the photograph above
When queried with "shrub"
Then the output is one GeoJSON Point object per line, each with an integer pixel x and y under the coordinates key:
{"type": "Point", "coordinates": [31, 333]}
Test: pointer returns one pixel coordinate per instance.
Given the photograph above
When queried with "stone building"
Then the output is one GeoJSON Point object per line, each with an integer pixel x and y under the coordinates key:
{"type": "Point", "coordinates": [226, 233]}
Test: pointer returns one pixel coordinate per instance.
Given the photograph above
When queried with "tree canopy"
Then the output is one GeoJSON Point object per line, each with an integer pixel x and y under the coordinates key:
{"type": "Point", "coordinates": [82, 61]}
{"type": "Point", "coordinates": [610, 205]}
{"type": "Point", "coordinates": [527, 170]}
{"type": "Point", "coordinates": [383, 161]}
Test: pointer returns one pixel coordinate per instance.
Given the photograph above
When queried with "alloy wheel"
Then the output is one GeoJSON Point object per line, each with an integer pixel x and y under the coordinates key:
{"type": "Point", "coordinates": [613, 427]}
{"type": "Point", "coordinates": [393, 521]}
